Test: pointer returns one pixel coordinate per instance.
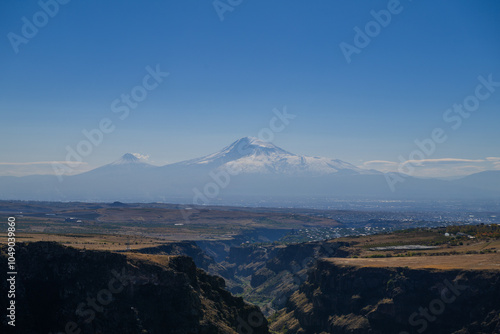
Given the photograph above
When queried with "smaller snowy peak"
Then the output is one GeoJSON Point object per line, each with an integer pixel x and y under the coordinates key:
{"type": "Point", "coordinates": [127, 158]}
{"type": "Point", "coordinates": [127, 163]}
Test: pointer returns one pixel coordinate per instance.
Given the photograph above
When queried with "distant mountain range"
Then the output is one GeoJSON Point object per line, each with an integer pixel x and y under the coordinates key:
{"type": "Point", "coordinates": [247, 170]}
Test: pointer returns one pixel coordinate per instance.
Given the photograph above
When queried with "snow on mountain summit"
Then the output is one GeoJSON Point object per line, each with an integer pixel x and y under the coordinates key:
{"type": "Point", "coordinates": [253, 141]}
{"type": "Point", "coordinates": [247, 146]}
{"type": "Point", "coordinates": [252, 155]}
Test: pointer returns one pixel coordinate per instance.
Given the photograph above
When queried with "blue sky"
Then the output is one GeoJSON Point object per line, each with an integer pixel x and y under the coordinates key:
{"type": "Point", "coordinates": [226, 77]}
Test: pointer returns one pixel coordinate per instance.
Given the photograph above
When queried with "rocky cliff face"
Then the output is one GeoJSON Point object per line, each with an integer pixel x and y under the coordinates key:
{"type": "Point", "coordinates": [65, 290]}
{"type": "Point", "coordinates": [277, 272]}
{"type": "Point", "coordinates": [191, 249]}
{"type": "Point", "coordinates": [337, 299]}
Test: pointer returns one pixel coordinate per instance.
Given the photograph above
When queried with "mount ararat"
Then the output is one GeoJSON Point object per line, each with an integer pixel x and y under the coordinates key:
{"type": "Point", "coordinates": [247, 170]}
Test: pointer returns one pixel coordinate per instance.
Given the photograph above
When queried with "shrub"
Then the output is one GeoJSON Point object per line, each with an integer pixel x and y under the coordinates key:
{"type": "Point", "coordinates": [376, 256]}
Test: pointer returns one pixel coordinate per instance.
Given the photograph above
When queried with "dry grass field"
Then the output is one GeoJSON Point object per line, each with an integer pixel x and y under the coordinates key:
{"type": "Point", "coordinates": [90, 241]}
{"type": "Point", "coordinates": [361, 246]}
{"type": "Point", "coordinates": [466, 262]}
{"type": "Point", "coordinates": [162, 260]}
{"type": "Point", "coordinates": [479, 248]}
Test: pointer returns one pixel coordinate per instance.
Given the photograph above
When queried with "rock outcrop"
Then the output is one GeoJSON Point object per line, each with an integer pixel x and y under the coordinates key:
{"type": "Point", "coordinates": [284, 271]}
{"type": "Point", "coordinates": [191, 249]}
{"type": "Point", "coordinates": [348, 299]}
{"type": "Point", "coordinates": [64, 290]}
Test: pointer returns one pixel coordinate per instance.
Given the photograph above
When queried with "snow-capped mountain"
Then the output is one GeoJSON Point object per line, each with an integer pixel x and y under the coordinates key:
{"type": "Point", "coordinates": [252, 155]}
{"type": "Point", "coordinates": [247, 170]}
{"type": "Point", "coordinates": [125, 165]}
{"type": "Point", "coordinates": [128, 159]}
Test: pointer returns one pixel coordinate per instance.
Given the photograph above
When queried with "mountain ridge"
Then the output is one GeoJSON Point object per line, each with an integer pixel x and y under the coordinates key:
{"type": "Point", "coordinates": [248, 169]}
{"type": "Point", "coordinates": [252, 155]}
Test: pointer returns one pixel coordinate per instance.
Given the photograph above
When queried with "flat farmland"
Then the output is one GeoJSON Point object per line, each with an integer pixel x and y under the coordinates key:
{"type": "Point", "coordinates": [465, 262]}
{"type": "Point", "coordinates": [118, 225]}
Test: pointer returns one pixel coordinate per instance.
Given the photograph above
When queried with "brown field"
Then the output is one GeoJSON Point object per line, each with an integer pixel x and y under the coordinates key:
{"type": "Point", "coordinates": [162, 260]}
{"type": "Point", "coordinates": [90, 241]}
{"type": "Point", "coordinates": [466, 262]}
{"type": "Point", "coordinates": [154, 221]}
{"type": "Point", "coordinates": [360, 246]}
{"type": "Point", "coordinates": [121, 226]}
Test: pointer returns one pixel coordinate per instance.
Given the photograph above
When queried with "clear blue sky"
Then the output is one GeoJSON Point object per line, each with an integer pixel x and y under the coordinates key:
{"type": "Point", "coordinates": [227, 76]}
